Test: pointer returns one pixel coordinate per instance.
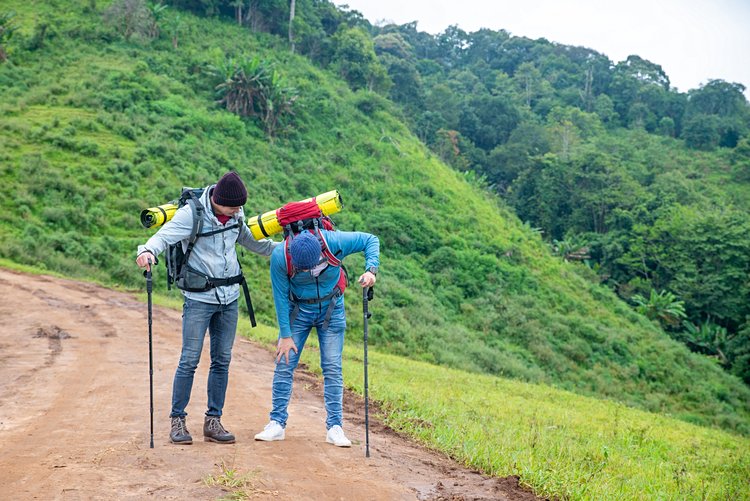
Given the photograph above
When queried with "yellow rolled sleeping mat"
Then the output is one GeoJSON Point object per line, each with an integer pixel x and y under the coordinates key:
{"type": "Point", "coordinates": [267, 224]}
{"type": "Point", "coordinates": [157, 216]}
{"type": "Point", "coordinates": [261, 226]}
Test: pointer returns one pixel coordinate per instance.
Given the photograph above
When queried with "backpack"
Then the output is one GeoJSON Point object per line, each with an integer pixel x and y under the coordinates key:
{"type": "Point", "coordinates": [295, 218]}
{"type": "Point", "coordinates": [185, 277]}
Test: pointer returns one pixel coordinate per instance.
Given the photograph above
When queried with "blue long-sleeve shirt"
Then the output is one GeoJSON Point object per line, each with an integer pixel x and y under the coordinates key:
{"type": "Point", "coordinates": [305, 286]}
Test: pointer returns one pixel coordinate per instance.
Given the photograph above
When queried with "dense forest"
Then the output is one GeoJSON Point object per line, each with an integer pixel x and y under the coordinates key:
{"type": "Point", "coordinates": [618, 182]}
{"type": "Point", "coordinates": [648, 186]}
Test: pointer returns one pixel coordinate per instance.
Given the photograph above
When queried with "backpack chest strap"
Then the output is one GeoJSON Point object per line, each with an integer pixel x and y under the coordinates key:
{"type": "Point", "coordinates": [220, 230]}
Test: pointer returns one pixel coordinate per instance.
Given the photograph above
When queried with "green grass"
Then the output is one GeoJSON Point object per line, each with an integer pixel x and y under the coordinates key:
{"type": "Point", "coordinates": [560, 444]}
{"type": "Point", "coordinates": [239, 485]}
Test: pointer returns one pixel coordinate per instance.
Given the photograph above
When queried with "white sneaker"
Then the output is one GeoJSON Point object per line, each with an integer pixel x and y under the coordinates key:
{"type": "Point", "coordinates": [272, 431]}
{"type": "Point", "coordinates": [336, 437]}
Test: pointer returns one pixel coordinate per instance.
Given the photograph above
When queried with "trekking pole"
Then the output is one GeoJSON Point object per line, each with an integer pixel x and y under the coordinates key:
{"type": "Point", "coordinates": [149, 289]}
{"type": "Point", "coordinates": [367, 293]}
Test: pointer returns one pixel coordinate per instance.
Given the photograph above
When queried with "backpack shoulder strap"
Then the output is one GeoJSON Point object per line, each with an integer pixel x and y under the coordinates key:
{"type": "Point", "coordinates": [288, 257]}
{"type": "Point", "coordinates": [197, 209]}
{"type": "Point", "coordinates": [332, 260]}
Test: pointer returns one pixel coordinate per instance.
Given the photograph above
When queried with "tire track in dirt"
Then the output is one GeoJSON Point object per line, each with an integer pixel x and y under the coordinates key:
{"type": "Point", "coordinates": [74, 414]}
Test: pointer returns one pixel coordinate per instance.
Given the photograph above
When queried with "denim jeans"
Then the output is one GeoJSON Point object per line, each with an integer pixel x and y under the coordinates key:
{"type": "Point", "coordinates": [331, 343]}
{"type": "Point", "coordinates": [221, 322]}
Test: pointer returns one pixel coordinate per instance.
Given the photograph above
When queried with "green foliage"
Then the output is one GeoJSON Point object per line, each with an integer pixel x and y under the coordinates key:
{"type": "Point", "coordinates": [703, 255]}
{"type": "Point", "coordinates": [662, 306]}
{"type": "Point", "coordinates": [253, 87]}
{"type": "Point", "coordinates": [157, 11]}
{"type": "Point", "coordinates": [7, 28]}
{"type": "Point", "coordinates": [543, 124]}
{"type": "Point", "coordinates": [355, 60]}
{"type": "Point", "coordinates": [738, 348]}
{"type": "Point", "coordinates": [133, 17]}
{"type": "Point", "coordinates": [708, 338]}
{"type": "Point", "coordinates": [702, 132]}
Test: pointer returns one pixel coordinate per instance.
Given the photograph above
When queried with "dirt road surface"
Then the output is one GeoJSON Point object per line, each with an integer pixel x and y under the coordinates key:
{"type": "Point", "coordinates": [74, 415]}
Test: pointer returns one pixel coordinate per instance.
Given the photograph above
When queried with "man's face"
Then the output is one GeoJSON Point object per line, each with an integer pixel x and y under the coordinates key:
{"type": "Point", "coordinates": [224, 210]}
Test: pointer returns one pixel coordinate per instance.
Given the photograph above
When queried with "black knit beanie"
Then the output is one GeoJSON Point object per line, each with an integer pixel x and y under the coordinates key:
{"type": "Point", "coordinates": [230, 191]}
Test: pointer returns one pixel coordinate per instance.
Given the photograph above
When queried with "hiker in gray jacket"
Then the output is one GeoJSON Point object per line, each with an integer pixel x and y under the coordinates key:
{"type": "Point", "coordinates": [210, 282]}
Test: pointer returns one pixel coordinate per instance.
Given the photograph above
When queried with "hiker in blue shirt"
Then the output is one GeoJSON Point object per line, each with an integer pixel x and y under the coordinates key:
{"type": "Point", "coordinates": [212, 260]}
{"type": "Point", "coordinates": [312, 297]}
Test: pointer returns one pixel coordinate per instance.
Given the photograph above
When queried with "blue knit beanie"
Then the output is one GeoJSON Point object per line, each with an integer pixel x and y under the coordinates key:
{"type": "Point", "coordinates": [305, 251]}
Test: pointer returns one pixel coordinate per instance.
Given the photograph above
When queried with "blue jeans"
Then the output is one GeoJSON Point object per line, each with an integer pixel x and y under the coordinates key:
{"type": "Point", "coordinates": [221, 322]}
{"type": "Point", "coordinates": [331, 343]}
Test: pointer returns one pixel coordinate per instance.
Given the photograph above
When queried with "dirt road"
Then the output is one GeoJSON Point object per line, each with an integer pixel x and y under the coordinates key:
{"type": "Point", "coordinates": [74, 415]}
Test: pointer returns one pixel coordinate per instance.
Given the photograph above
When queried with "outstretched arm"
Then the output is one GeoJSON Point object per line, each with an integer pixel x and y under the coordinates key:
{"type": "Point", "coordinates": [263, 247]}
{"type": "Point", "coordinates": [349, 242]}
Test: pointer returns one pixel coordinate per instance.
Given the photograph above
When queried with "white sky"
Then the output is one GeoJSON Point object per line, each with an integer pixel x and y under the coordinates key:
{"type": "Point", "coordinates": [693, 40]}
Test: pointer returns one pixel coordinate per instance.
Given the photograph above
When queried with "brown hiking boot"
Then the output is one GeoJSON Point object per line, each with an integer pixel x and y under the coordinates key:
{"type": "Point", "coordinates": [179, 434]}
{"type": "Point", "coordinates": [213, 431]}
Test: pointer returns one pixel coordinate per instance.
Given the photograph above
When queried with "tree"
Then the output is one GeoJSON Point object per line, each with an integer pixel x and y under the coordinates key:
{"type": "Point", "coordinates": [357, 63]}
{"type": "Point", "coordinates": [238, 5]}
{"type": "Point", "coordinates": [741, 160]}
{"type": "Point", "coordinates": [393, 44]}
{"type": "Point", "coordinates": [707, 338]}
{"type": "Point", "coordinates": [130, 17]}
{"type": "Point", "coordinates": [718, 97]}
{"type": "Point", "coordinates": [663, 307]}
{"type": "Point", "coordinates": [644, 71]}
{"type": "Point", "coordinates": [397, 55]}
{"type": "Point", "coordinates": [407, 84]}
{"type": "Point", "coordinates": [703, 255]}
{"type": "Point", "coordinates": [253, 88]}
{"type": "Point", "coordinates": [529, 81]}
{"type": "Point", "coordinates": [7, 28]}
{"type": "Point", "coordinates": [701, 132]}
{"type": "Point", "coordinates": [292, 6]}
{"type": "Point", "coordinates": [173, 27]}
{"type": "Point", "coordinates": [452, 44]}
{"type": "Point", "coordinates": [488, 120]}
{"type": "Point", "coordinates": [157, 18]}
{"type": "Point", "coordinates": [725, 110]}
{"type": "Point", "coordinates": [605, 109]}
{"type": "Point", "coordinates": [633, 81]}
{"type": "Point", "coordinates": [666, 127]}
{"type": "Point", "coordinates": [739, 352]}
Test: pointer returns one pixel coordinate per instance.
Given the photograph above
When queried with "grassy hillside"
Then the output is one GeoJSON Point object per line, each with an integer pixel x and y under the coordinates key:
{"type": "Point", "coordinates": [93, 129]}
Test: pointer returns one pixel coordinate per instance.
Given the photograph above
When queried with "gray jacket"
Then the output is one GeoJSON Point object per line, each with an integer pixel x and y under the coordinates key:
{"type": "Point", "coordinates": [214, 255]}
